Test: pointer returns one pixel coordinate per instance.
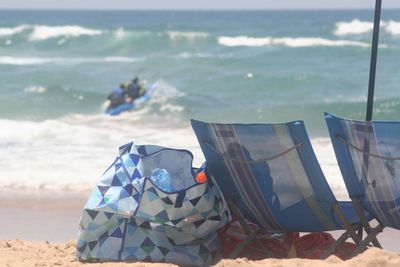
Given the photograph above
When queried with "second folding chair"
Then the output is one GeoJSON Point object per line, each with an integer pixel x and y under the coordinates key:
{"type": "Point", "coordinates": [270, 175]}
{"type": "Point", "coordinates": [368, 156]}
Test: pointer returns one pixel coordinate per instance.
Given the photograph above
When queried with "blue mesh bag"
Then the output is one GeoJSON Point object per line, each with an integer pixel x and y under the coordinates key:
{"type": "Point", "coordinates": [128, 217]}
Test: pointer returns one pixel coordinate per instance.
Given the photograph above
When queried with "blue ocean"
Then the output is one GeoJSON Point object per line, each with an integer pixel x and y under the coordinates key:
{"type": "Point", "coordinates": [57, 68]}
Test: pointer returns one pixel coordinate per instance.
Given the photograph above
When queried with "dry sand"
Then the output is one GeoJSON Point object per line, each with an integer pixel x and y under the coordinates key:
{"type": "Point", "coordinates": [28, 253]}
{"type": "Point", "coordinates": [37, 216]}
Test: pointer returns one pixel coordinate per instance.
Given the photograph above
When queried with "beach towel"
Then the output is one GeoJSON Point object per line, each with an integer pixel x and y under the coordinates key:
{"type": "Point", "coordinates": [129, 218]}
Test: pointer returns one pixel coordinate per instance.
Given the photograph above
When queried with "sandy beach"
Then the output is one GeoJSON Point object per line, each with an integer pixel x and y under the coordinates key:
{"type": "Point", "coordinates": [40, 229]}
{"type": "Point", "coordinates": [28, 253]}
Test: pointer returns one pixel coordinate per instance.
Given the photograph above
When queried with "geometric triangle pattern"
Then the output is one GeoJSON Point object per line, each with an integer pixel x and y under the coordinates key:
{"type": "Point", "coordinates": [128, 217]}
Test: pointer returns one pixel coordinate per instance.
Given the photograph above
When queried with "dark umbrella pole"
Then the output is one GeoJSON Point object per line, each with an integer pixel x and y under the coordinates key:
{"type": "Point", "coordinates": [370, 103]}
{"type": "Point", "coordinates": [374, 54]}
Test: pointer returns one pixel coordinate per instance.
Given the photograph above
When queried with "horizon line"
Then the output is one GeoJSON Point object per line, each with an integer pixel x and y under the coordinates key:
{"type": "Point", "coordinates": [195, 9]}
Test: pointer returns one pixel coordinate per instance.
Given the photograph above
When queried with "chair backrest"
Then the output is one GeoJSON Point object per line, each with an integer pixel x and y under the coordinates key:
{"type": "Point", "coordinates": [270, 172]}
{"type": "Point", "coordinates": [368, 156]}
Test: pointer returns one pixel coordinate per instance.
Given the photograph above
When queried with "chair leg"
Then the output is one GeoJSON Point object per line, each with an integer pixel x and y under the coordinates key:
{"type": "Point", "coordinates": [349, 228]}
{"type": "Point", "coordinates": [239, 216]}
{"type": "Point", "coordinates": [236, 252]}
{"type": "Point", "coordinates": [371, 235]}
{"type": "Point", "coordinates": [364, 221]}
{"type": "Point", "coordinates": [339, 241]}
{"type": "Point", "coordinates": [360, 231]}
{"type": "Point", "coordinates": [252, 234]}
{"type": "Point", "coordinates": [350, 232]}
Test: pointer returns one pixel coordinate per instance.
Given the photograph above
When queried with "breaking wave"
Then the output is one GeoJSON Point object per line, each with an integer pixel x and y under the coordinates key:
{"type": "Point", "coordinates": [286, 41]}
{"type": "Point", "coordinates": [44, 32]}
{"type": "Point", "coordinates": [393, 27]}
{"type": "Point", "coordinates": [357, 26]}
{"type": "Point", "coordinates": [353, 27]}
{"type": "Point", "coordinates": [63, 60]}
{"type": "Point", "coordinates": [40, 33]}
{"type": "Point", "coordinates": [14, 30]}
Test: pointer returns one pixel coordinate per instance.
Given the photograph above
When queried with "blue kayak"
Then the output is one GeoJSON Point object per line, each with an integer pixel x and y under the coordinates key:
{"type": "Point", "coordinates": [135, 103]}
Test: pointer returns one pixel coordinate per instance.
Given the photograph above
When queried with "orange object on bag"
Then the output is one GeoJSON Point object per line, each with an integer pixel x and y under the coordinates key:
{"type": "Point", "coordinates": [201, 177]}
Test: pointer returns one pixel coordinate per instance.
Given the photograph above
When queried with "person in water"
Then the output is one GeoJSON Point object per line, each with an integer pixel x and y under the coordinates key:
{"type": "Point", "coordinates": [133, 90]}
{"type": "Point", "coordinates": [126, 93]}
{"type": "Point", "coordinates": [116, 97]}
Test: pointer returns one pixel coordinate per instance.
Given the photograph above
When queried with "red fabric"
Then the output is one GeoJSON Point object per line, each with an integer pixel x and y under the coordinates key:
{"type": "Point", "coordinates": [344, 250]}
{"type": "Point", "coordinates": [232, 235]}
{"type": "Point", "coordinates": [313, 246]}
{"type": "Point", "coordinates": [310, 246]}
{"type": "Point", "coordinates": [280, 247]}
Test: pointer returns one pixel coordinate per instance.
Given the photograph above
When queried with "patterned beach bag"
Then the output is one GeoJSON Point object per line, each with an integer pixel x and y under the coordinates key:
{"type": "Point", "coordinates": [129, 218]}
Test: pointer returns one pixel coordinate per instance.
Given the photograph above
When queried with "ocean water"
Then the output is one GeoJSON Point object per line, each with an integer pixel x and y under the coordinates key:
{"type": "Point", "coordinates": [57, 67]}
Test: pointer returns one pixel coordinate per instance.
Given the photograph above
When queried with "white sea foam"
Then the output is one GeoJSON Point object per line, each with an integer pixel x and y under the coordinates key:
{"type": "Point", "coordinates": [190, 55]}
{"type": "Point", "coordinates": [119, 59]}
{"type": "Point", "coordinates": [119, 33]}
{"type": "Point", "coordinates": [165, 92]}
{"type": "Point", "coordinates": [35, 89]}
{"type": "Point", "coordinates": [393, 27]}
{"type": "Point", "coordinates": [61, 41]}
{"type": "Point", "coordinates": [37, 33]}
{"type": "Point", "coordinates": [72, 153]}
{"type": "Point", "coordinates": [340, 98]}
{"type": "Point", "coordinates": [173, 108]}
{"type": "Point", "coordinates": [356, 27]}
{"type": "Point", "coordinates": [14, 30]}
{"type": "Point", "coordinates": [163, 95]}
{"type": "Point", "coordinates": [244, 41]}
{"type": "Point", "coordinates": [174, 35]}
{"type": "Point", "coordinates": [195, 55]}
{"type": "Point", "coordinates": [23, 61]}
{"type": "Point", "coordinates": [64, 61]}
{"type": "Point", "coordinates": [308, 42]}
{"type": "Point", "coordinates": [42, 32]}
{"type": "Point", "coordinates": [286, 41]}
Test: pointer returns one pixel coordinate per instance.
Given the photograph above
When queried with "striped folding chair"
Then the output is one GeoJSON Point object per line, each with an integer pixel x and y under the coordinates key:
{"type": "Point", "coordinates": [368, 156]}
{"type": "Point", "coordinates": [270, 175]}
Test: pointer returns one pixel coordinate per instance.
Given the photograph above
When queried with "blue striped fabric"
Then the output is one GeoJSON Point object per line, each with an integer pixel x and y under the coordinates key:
{"type": "Point", "coordinates": [368, 156]}
{"type": "Point", "coordinates": [270, 171]}
{"type": "Point", "coordinates": [248, 188]}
